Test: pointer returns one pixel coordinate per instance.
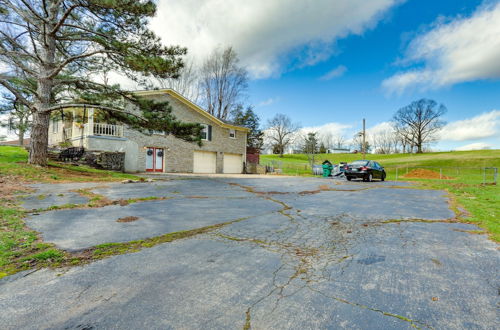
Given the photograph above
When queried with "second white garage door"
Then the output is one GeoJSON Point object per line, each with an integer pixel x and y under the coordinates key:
{"type": "Point", "coordinates": [204, 162]}
{"type": "Point", "coordinates": [233, 163]}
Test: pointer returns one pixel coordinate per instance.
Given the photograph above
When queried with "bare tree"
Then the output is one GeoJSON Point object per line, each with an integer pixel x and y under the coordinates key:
{"type": "Point", "coordinates": [357, 143]}
{"type": "Point", "coordinates": [419, 122]}
{"type": "Point", "coordinates": [403, 138]}
{"type": "Point", "coordinates": [188, 83]}
{"type": "Point", "coordinates": [326, 139]}
{"type": "Point", "coordinates": [223, 82]}
{"type": "Point", "coordinates": [281, 132]}
{"type": "Point", "coordinates": [338, 141]}
{"type": "Point", "coordinates": [332, 141]}
{"type": "Point", "coordinates": [384, 142]}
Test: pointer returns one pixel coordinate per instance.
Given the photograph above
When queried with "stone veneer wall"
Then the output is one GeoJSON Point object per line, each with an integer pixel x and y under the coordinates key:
{"type": "Point", "coordinates": [178, 153]}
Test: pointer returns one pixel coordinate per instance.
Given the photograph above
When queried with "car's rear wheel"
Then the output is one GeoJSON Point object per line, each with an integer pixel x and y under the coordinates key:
{"type": "Point", "coordinates": [348, 178]}
{"type": "Point", "coordinates": [383, 177]}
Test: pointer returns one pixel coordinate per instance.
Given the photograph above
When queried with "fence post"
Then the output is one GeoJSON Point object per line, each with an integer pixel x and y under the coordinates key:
{"type": "Point", "coordinates": [495, 174]}
{"type": "Point", "coordinates": [396, 174]}
{"type": "Point", "coordinates": [484, 176]}
{"type": "Point", "coordinates": [440, 173]}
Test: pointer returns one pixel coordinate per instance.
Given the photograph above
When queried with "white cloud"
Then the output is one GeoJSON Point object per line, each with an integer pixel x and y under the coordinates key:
{"type": "Point", "coordinates": [461, 50]}
{"type": "Point", "coordinates": [335, 129]}
{"type": "Point", "coordinates": [335, 73]}
{"type": "Point", "coordinates": [482, 126]}
{"type": "Point", "coordinates": [382, 127]}
{"type": "Point", "coordinates": [474, 146]}
{"type": "Point", "coordinates": [268, 102]}
{"type": "Point", "coordinates": [266, 34]}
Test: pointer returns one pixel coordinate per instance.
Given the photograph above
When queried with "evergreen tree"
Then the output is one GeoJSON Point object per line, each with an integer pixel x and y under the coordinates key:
{"type": "Point", "coordinates": [55, 47]}
{"type": "Point", "coordinates": [322, 148]}
{"type": "Point", "coordinates": [310, 147]}
{"type": "Point", "coordinates": [249, 119]}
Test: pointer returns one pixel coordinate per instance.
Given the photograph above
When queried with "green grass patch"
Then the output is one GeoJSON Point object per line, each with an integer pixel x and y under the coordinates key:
{"type": "Point", "coordinates": [50, 254]}
{"type": "Point", "coordinates": [20, 247]}
{"type": "Point", "coordinates": [13, 162]}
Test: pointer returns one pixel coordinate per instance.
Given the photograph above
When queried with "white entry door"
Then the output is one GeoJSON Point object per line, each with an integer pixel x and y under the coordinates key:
{"type": "Point", "coordinates": [204, 162]}
{"type": "Point", "coordinates": [233, 163]}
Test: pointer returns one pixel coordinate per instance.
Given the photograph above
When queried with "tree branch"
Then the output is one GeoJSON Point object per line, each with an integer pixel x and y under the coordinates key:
{"type": "Point", "coordinates": [96, 106]}
{"type": "Point", "coordinates": [63, 19]}
{"type": "Point", "coordinates": [61, 66]}
{"type": "Point", "coordinates": [5, 83]}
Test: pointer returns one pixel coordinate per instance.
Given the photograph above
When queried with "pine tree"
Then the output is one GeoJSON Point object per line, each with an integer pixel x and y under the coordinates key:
{"type": "Point", "coordinates": [249, 119]}
{"type": "Point", "coordinates": [55, 47]}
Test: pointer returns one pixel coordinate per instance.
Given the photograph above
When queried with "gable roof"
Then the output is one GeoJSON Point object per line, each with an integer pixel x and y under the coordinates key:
{"type": "Point", "coordinates": [190, 105]}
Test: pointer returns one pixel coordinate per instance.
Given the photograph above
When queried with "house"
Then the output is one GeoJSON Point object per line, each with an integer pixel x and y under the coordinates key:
{"type": "Point", "coordinates": [223, 149]}
{"type": "Point", "coordinates": [338, 151]}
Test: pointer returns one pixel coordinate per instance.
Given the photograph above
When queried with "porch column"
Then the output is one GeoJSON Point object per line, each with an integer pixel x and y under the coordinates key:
{"type": "Point", "coordinates": [74, 128]}
{"type": "Point", "coordinates": [90, 122]}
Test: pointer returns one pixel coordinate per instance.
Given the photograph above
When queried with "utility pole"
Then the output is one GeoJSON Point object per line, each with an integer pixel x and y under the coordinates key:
{"type": "Point", "coordinates": [363, 143]}
{"type": "Point", "coordinates": [363, 148]}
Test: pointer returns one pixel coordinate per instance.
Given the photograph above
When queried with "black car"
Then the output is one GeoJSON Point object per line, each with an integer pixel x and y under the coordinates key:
{"type": "Point", "coordinates": [366, 170]}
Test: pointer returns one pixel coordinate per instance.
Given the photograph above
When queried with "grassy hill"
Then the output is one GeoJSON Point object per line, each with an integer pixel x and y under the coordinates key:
{"type": "Point", "coordinates": [477, 158]}
{"type": "Point", "coordinates": [462, 171]}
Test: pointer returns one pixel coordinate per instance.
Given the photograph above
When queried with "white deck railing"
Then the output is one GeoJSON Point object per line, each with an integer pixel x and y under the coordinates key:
{"type": "Point", "coordinates": [104, 130]}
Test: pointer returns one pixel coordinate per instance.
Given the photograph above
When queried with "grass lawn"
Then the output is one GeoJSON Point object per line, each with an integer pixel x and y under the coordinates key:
{"type": "Point", "coordinates": [13, 163]}
{"type": "Point", "coordinates": [463, 167]}
{"type": "Point", "coordinates": [20, 247]}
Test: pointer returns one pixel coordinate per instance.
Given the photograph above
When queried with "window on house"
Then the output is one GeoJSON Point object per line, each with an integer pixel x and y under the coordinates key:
{"type": "Point", "coordinates": [232, 133]}
{"type": "Point", "coordinates": [206, 132]}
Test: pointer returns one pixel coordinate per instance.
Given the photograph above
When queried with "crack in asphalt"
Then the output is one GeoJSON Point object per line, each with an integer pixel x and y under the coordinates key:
{"type": "Point", "coordinates": [414, 323]}
{"type": "Point", "coordinates": [308, 246]}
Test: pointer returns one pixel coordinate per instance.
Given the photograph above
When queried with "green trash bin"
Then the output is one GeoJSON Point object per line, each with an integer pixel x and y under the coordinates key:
{"type": "Point", "coordinates": [327, 168]}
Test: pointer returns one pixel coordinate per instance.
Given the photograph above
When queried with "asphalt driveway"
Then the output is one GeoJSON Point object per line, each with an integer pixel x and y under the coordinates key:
{"type": "Point", "coordinates": [296, 253]}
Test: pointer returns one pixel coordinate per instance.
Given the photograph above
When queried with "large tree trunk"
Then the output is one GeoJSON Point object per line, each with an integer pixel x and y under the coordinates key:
{"type": "Point", "coordinates": [39, 139]}
{"type": "Point", "coordinates": [40, 126]}
{"type": "Point", "coordinates": [21, 135]}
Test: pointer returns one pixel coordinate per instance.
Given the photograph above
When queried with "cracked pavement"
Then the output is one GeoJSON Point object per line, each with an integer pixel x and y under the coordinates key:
{"type": "Point", "coordinates": [308, 253]}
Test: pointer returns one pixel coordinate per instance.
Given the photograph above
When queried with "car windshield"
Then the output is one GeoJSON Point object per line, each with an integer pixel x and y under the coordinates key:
{"type": "Point", "coordinates": [360, 163]}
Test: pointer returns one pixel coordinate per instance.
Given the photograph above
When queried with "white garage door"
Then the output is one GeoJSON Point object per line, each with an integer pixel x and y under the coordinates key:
{"type": "Point", "coordinates": [204, 162]}
{"type": "Point", "coordinates": [233, 163]}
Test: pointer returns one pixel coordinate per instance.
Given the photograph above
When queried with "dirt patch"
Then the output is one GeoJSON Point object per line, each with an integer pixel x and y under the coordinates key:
{"type": "Point", "coordinates": [309, 192]}
{"type": "Point", "coordinates": [128, 219]}
{"type": "Point", "coordinates": [12, 185]}
{"type": "Point", "coordinates": [122, 202]}
{"type": "Point", "coordinates": [421, 173]}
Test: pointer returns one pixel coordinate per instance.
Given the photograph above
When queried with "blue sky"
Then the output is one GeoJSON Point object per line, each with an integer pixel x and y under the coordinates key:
{"type": "Point", "coordinates": [329, 63]}
{"type": "Point", "coordinates": [368, 60]}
